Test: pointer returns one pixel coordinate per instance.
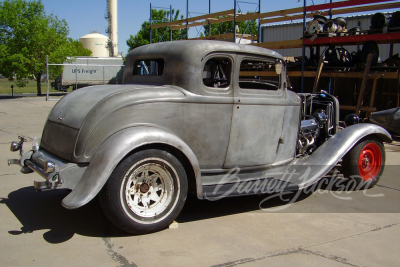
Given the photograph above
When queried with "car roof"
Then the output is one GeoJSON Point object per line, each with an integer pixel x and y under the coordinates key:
{"type": "Point", "coordinates": [184, 59]}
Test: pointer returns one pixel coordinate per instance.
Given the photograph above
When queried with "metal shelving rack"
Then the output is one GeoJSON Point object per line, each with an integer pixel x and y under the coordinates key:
{"type": "Point", "coordinates": [212, 18]}
{"type": "Point", "coordinates": [332, 8]}
{"type": "Point", "coordinates": [337, 8]}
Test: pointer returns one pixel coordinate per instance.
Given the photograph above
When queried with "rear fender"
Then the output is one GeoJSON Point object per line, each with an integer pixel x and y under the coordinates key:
{"type": "Point", "coordinates": [113, 150]}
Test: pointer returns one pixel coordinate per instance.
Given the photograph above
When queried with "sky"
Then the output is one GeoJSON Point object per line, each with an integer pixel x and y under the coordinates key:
{"type": "Point", "coordinates": [84, 16]}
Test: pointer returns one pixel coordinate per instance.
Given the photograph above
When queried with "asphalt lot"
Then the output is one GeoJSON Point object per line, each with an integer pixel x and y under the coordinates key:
{"type": "Point", "coordinates": [329, 227]}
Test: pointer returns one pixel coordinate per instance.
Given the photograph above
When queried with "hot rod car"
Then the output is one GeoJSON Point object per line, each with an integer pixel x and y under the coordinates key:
{"type": "Point", "coordinates": [186, 115]}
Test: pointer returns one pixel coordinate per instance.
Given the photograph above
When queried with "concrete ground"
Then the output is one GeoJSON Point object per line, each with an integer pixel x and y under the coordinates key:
{"type": "Point", "coordinates": [330, 227]}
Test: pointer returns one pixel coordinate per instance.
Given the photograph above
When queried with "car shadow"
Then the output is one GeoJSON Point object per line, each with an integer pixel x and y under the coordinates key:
{"type": "Point", "coordinates": [43, 211]}
{"type": "Point", "coordinates": [195, 209]}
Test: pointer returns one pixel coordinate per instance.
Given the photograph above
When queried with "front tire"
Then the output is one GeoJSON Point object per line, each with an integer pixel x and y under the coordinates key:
{"type": "Point", "coordinates": [365, 162]}
{"type": "Point", "coordinates": [145, 192]}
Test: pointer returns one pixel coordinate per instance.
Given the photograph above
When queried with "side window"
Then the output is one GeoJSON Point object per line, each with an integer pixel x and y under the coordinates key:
{"type": "Point", "coordinates": [217, 72]}
{"type": "Point", "coordinates": [149, 67]}
{"type": "Point", "coordinates": [258, 74]}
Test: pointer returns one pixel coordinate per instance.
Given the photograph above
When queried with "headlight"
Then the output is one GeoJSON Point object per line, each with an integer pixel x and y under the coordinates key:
{"type": "Point", "coordinates": [15, 146]}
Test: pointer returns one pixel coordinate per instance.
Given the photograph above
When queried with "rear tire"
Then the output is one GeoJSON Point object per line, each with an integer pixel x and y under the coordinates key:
{"type": "Point", "coordinates": [365, 162]}
{"type": "Point", "coordinates": [145, 192]}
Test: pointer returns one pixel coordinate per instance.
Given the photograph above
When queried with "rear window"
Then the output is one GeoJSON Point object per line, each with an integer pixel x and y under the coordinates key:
{"type": "Point", "coordinates": [149, 67]}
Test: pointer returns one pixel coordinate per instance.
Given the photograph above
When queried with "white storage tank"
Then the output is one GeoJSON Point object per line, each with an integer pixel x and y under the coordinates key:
{"type": "Point", "coordinates": [97, 43]}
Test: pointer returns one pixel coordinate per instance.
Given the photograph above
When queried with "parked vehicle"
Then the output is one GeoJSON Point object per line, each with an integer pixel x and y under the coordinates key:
{"type": "Point", "coordinates": [202, 117]}
{"type": "Point", "coordinates": [388, 119]}
{"type": "Point", "coordinates": [86, 71]}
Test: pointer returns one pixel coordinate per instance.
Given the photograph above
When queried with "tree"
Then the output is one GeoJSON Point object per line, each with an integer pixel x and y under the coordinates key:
{"type": "Point", "coordinates": [248, 27]}
{"type": "Point", "coordinates": [158, 35]}
{"type": "Point", "coordinates": [76, 48]}
{"type": "Point", "coordinates": [27, 35]}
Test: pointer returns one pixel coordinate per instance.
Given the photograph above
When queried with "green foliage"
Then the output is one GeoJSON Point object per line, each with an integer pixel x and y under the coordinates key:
{"type": "Point", "coordinates": [27, 35]}
{"type": "Point", "coordinates": [247, 27]}
{"type": "Point", "coordinates": [74, 48]}
{"type": "Point", "coordinates": [158, 35]}
{"type": "Point", "coordinates": [21, 83]}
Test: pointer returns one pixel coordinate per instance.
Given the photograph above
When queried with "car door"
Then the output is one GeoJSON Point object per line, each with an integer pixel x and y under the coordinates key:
{"type": "Point", "coordinates": [258, 112]}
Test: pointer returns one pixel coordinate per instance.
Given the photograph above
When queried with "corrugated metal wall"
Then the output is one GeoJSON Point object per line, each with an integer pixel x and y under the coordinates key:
{"type": "Point", "coordinates": [294, 31]}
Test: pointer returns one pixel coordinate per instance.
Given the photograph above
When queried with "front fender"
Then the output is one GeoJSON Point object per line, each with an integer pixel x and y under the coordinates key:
{"type": "Point", "coordinates": [113, 150]}
{"type": "Point", "coordinates": [329, 153]}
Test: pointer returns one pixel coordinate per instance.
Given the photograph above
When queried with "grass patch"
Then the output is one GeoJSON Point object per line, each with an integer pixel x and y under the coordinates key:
{"type": "Point", "coordinates": [5, 87]}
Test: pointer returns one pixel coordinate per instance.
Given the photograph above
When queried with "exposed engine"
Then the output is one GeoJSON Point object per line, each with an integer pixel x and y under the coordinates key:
{"type": "Point", "coordinates": [319, 121]}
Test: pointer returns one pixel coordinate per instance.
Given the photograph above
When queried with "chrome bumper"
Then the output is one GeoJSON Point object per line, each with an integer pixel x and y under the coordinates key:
{"type": "Point", "coordinates": [58, 173]}
{"type": "Point", "coordinates": [53, 180]}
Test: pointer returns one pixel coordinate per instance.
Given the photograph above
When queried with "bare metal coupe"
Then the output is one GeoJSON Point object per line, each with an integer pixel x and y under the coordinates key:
{"type": "Point", "coordinates": [206, 117]}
